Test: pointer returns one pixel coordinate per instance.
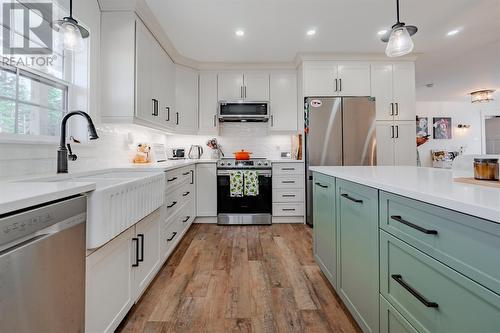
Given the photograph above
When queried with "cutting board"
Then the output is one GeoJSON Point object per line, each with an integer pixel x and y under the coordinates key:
{"type": "Point", "coordinates": [473, 181]}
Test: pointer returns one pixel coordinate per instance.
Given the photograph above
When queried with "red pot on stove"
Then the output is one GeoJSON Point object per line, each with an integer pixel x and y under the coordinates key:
{"type": "Point", "coordinates": [242, 155]}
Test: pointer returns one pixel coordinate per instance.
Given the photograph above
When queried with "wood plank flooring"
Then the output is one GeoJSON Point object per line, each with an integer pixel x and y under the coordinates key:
{"type": "Point", "coordinates": [241, 279]}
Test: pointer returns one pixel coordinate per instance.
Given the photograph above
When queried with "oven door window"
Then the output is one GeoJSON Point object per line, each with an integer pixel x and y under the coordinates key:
{"type": "Point", "coordinates": [259, 204]}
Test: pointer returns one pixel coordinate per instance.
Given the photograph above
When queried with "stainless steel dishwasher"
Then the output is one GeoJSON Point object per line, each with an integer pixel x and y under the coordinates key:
{"type": "Point", "coordinates": [42, 268]}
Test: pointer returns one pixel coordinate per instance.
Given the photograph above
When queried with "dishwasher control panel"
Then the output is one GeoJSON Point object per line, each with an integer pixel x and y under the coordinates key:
{"type": "Point", "coordinates": [25, 223]}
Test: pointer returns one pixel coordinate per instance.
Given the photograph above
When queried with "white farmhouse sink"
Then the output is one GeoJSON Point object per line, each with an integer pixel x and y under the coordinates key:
{"type": "Point", "coordinates": [120, 200]}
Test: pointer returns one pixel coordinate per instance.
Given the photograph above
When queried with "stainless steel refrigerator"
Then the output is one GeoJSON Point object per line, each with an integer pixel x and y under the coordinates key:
{"type": "Point", "coordinates": [338, 131]}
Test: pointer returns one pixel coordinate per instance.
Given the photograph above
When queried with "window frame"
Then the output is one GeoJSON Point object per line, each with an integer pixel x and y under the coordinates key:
{"type": "Point", "coordinates": [43, 78]}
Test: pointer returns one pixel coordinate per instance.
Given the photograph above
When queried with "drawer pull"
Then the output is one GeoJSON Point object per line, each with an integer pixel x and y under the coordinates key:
{"type": "Point", "coordinates": [187, 219]}
{"type": "Point", "coordinates": [171, 179]}
{"type": "Point", "coordinates": [172, 205]}
{"type": "Point", "coordinates": [345, 195]}
{"type": "Point", "coordinates": [321, 185]}
{"type": "Point", "coordinates": [186, 173]}
{"type": "Point", "coordinates": [186, 193]}
{"type": "Point", "coordinates": [288, 195]}
{"type": "Point", "coordinates": [288, 209]}
{"type": "Point", "coordinates": [414, 226]}
{"type": "Point", "coordinates": [399, 279]}
{"type": "Point", "coordinates": [172, 237]}
{"type": "Point", "coordinates": [288, 169]}
{"type": "Point", "coordinates": [288, 181]}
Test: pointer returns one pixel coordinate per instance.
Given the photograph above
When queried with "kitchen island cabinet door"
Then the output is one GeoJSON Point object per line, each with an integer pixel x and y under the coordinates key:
{"type": "Point", "coordinates": [147, 232]}
{"type": "Point", "coordinates": [391, 321]}
{"type": "Point", "coordinates": [358, 252]}
{"type": "Point", "coordinates": [109, 275]}
{"type": "Point", "coordinates": [324, 225]}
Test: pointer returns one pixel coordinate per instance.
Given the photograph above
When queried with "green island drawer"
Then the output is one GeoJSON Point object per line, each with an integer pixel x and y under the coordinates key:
{"type": "Point", "coordinates": [432, 297]}
{"type": "Point", "coordinates": [391, 321]}
{"type": "Point", "coordinates": [467, 244]}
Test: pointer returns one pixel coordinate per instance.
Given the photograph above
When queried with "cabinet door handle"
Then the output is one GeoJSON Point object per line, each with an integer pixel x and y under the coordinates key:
{"type": "Point", "coordinates": [141, 238]}
{"type": "Point", "coordinates": [172, 205]}
{"type": "Point", "coordinates": [392, 110]}
{"type": "Point", "coordinates": [399, 279]}
{"type": "Point", "coordinates": [397, 109]}
{"type": "Point", "coordinates": [177, 118]}
{"type": "Point", "coordinates": [192, 177]}
{"type": "Point", "coordinates": [392, 132]}
{"type": "Point", "coordinates": [399, 219]}
{"type": "Point", "coordinates": [340, 84]}
{"type": "Point", "coordinates": [172, 237]}
{"type": "Point", "coordinates": [336, 85]}
{"type": "Point", "coordinates": [168, 113]}
{"type": "Point", "coordinates": [186, 193]}
{"type": "Point", "coordinates": [245, 91]}
{"type": "Point", "coordinates": [136, 240]}
{"type": "Point", "coordinates": [288, 181]}
{"type": "Point", "coordinates": [171, 179]}
{"type": "Point", "coordinates": [288, 209]}
{"type": "Point", "coordinates": [186, 219]}
{"type": "Point", "coordinates": [186, 173]}
{"type": "Point", "coordinates": [241, 92]}
{"type": "Point", "coordinates": [288, 196]}
{"type": "Point", "coordinates": [155, 107]}
{"type": "Point", "coordinates": [272, 120]}
{"type": "Point", "coordinates": [288, 169]}
{"type": "Point", "coordinates": [347, 196]}
{"type": "Point", "coordinates": [321, 185]}
{"type": "Point", "coordinates": [397, 131]}
{"type": "Point", "coordinates": [215, 120]}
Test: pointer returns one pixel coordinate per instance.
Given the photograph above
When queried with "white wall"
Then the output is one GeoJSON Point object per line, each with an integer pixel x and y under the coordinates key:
{"type": "Point", "coordinates": [461, 112]}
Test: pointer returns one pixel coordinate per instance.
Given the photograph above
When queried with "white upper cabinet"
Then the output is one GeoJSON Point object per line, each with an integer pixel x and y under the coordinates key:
{"type": "Point", "coordinates": [256, 86]}
{"type": "Point", "coordinates": [208, 123]}
{"type": "Point", "coordinates": [283, 91]}
{"type": "Point", "coordinates": [353, 79]}
{"type": "Point", "coordinates": [393, 86]}
{"type": "Point", "coordinates": [186, 97]}
{"type": "Point", "coordinates": [328, 78]}
{"type": "Point", "coordinates": [168, 97]}
{"type": "Point", "coordinates": [230, 86]}
{"type": "Point", "coordinates": [248, 86]}
{"type": "Point", "coordinates": [320, 78]}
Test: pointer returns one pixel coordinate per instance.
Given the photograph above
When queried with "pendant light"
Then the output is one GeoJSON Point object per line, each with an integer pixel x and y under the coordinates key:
{"type": "Point", "coordinates": [399, 40]}
{"type": "Point", "coordinates": [73, 33]}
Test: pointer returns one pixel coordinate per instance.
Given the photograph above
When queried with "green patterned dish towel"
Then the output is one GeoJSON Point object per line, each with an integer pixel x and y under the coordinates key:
{"type": "Point", "coordinates": [251, 183]}
{"type": "Point", "coordinates": [236, 184]}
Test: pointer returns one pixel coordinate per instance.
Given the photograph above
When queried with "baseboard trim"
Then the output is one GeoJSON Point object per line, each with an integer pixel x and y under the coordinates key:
{"type": "Point", "coordinates": [288, 219]}
{"type": "Point", "coordinates": [206, 219]}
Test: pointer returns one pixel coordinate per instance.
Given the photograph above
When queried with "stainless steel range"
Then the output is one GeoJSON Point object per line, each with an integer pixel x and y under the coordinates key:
{"type": "Point", "coordinates": [248, 208]}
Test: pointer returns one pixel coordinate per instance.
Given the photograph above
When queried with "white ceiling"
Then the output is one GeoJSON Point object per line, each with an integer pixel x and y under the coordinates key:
{"type": "Point", "coordinates": [275, 31]}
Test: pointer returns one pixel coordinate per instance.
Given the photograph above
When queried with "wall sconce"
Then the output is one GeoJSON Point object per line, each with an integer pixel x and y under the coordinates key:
{"type": "Point", "coordinates": [482, 96]}
{"type": "Point", "coordinates": [463, 126]}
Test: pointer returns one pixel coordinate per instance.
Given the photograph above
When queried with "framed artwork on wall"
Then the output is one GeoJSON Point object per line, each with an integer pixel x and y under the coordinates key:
{"type": "Point", "coordinates": [441, 128]}
{"type": "Point", "coordinates": [422, 127]}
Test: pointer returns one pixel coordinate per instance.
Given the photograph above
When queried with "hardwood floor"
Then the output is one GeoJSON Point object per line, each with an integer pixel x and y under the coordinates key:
{"type": "Point", "coordinates": [241, 279]}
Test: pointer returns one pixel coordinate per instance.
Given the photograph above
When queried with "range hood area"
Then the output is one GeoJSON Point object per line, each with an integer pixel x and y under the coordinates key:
{"type": "Point", "coordinates": [243, 111]}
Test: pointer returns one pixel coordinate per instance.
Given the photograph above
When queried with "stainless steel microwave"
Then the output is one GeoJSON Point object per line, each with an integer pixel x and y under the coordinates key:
{"type": "Point", "coordinates": [241, 111]}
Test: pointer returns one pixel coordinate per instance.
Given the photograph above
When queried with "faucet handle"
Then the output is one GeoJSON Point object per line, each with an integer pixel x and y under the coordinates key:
{"type": "Point", "coordinates": [71, 156]}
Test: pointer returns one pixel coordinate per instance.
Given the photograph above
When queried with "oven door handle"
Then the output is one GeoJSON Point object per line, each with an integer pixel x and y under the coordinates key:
{"type": "Point", "coordinates": [227, 172]}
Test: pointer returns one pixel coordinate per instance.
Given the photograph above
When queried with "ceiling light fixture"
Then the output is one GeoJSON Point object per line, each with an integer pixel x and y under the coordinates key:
{"type": "Point", "coordinates": [73, 33]}
{"type": "Point", "coordinates": [382, 32]}
{"type": "Point", "coordinates": [311, 32]}
{"type": "Point", "coordinates": [480, 96]}
{"type": "Point", "coordinates": [239, 33]}
{"type": "Point", "coordinates": [399, 40]}
{"type": "Point", "coordinates": [453, 32]}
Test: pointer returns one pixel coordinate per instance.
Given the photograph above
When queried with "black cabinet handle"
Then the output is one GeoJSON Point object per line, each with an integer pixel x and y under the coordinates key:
{"type": "Point", "coordinates": [414, 226]}
{"type": "Point", "coordinates": [336, 86]}
{"type": "Point", "coordinates": [288, 181]}
{"type": "Point", "coordinates": [155, 107]}
{"type": "Point", "coordinates": [172, 237]}
{"type": "Point", "coordinates": [397, 131]}
{"type": "Point", "coordinates": [171, 179]}
{"type": "Point", "coordinates": [187, 219]}
{"type": "Point", "coordinates": [168, 113]}
{"type": "Point", "coordinates": [320, 185]}
{"type": "Point", "coordinates": [399, 279]}
{"type": "Point", "coordinates": [347, 196]}
{"type": "Point", "coordinates": [172, 205]}
{"type": "Point", "coordinates": [192, 176]}
{"type": "Point", "coordinates": [186, 193]}
{"type": "Point", "coordinates": [136, 240]}
{"type": "Point", "coordinates": [288, 169]}
{"type": "Point", "coordinates": [177, 118]}
{"type": "Point", "coordinates": [397, 109]}
{"type": "Point", "coordinates": [288, 196]}
{"type": "Point", "coordinates": [288, 209]}
{"type": "Point", "coordinates": [141, 237]}
{"type": "Point", "coordinates": [392, 132]}
{"type": "Point", "coordinates": [340, 84]}
{"type": "Point", "coordinates": [392, 110]}
{"type": "Point", "coordinates": [186, 173]}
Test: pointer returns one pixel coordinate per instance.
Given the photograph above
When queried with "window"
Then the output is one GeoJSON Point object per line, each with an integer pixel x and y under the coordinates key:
{"type": "Point", "coordinates": [31, 104]}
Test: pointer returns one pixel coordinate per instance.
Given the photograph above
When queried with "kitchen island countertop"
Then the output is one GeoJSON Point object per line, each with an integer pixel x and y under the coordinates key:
{"type": "Point", "coordinates": [433, 186]}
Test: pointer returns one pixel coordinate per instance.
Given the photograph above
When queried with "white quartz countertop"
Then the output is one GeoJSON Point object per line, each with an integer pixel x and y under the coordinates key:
{"type": "Point", "coordinates": [434, 186]}
{"type": "Point", "coordinates": [15, 196]}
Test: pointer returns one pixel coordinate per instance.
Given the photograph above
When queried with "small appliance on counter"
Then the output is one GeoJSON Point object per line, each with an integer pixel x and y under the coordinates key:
{"type": "Point", "coordinates": [195, 152]}
{"type": "Point", "coordinates": [486, 169]}
{"type": "Point", "coordinates": [178, 153]}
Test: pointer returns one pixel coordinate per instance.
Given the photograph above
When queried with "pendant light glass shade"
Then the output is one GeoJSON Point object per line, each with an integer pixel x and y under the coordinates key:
{"type": "Point", "coordinates": [400, 42]}
{"type": "Point", "coordinates": [72, 37]}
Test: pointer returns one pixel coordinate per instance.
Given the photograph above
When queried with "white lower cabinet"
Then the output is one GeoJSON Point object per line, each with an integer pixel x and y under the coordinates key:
{"type": "Point", "coordinates": [206, 190]}
{"type": "Point", "coordinates": [288, 191]}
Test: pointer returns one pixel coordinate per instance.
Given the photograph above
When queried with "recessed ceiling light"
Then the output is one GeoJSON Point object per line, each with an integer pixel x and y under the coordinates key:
{"type": "Point", "coordinates": [453, 32]}
{"type": "Point", "coordinates": [239, 33]}
{"type": "Point", "coordinates": [382, 32]}
{"type": "Point", "coordinates": [311, 32]}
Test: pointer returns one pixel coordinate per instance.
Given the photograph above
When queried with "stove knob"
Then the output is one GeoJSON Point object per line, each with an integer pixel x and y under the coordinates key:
{"type": "Point", "coordinates": [259, 163]}
{"type": "Point", "coordinates": [228, 163]}
{"type": "Point", "coordinates": [222, 163]}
